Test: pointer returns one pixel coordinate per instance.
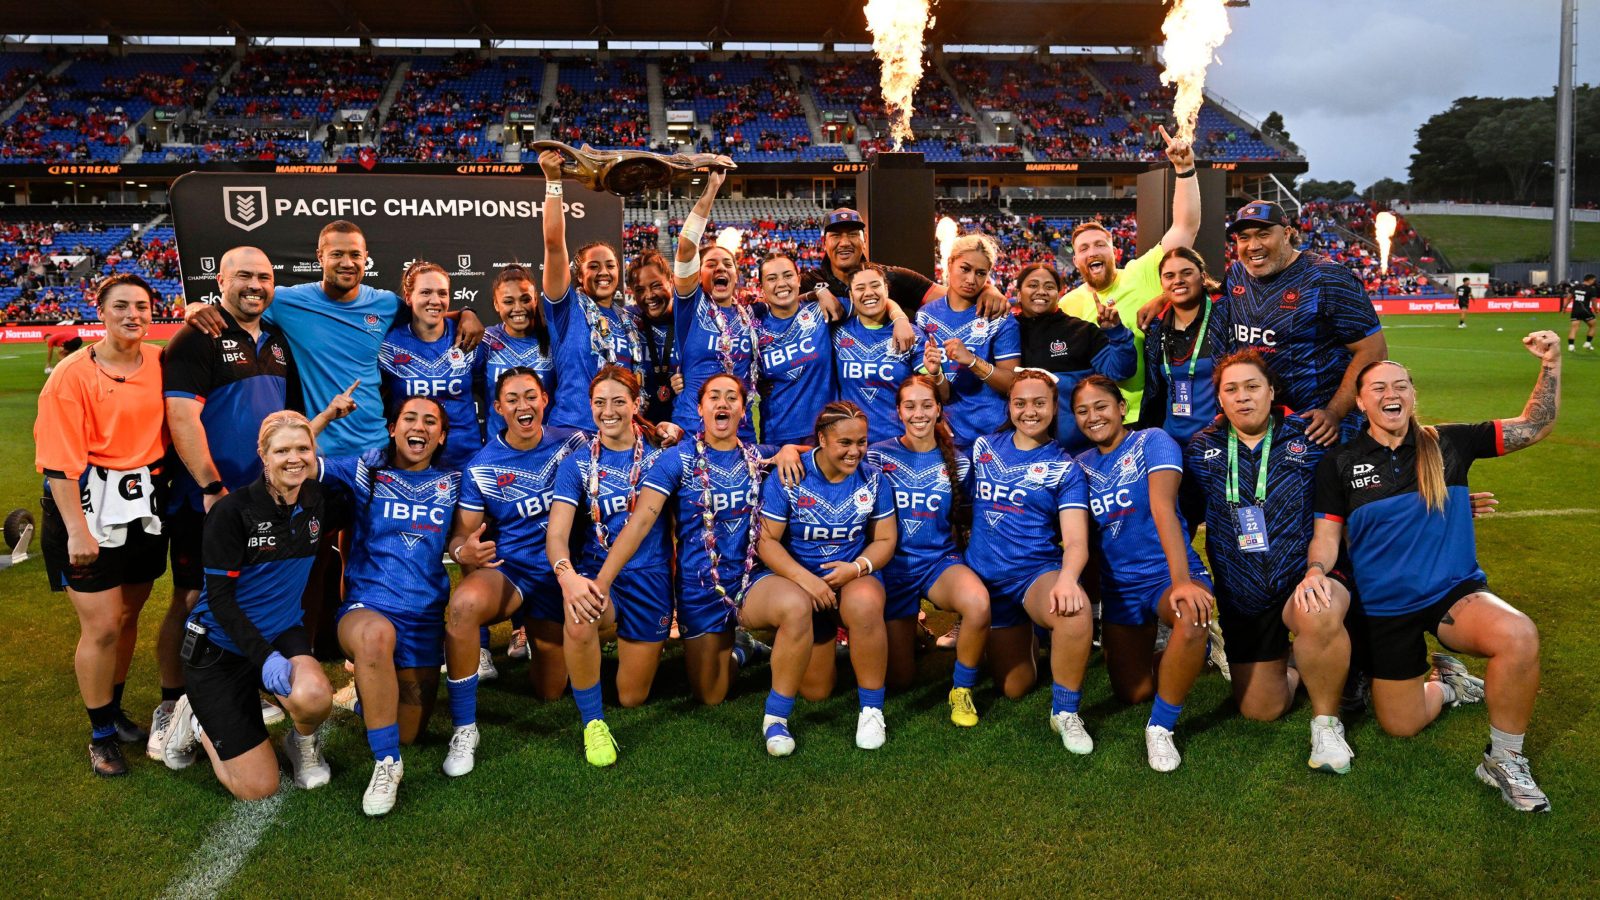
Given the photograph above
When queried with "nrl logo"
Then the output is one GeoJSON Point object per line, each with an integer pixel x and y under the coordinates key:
{"type": "Point", "coordinates": [245, 208]}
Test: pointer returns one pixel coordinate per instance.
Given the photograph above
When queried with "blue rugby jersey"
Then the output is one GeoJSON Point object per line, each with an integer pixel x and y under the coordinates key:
{"type": "Point", "coordinates": [334, 344]}
{"type": "Point", "coordinates": [1181, 347]}
{"type": "Point", "coordinates": [257, 557]}
{"type": "Point", "coordinates": [575, 358]}
{"type": "Point", "coordinates": [797, 377]}
{"type": "Point", "coordinates": [1300, 319]}
{"type": "Point", "coordinates": [974, 408]}
{"type": "Point", "coordinates": [923, 502]}
{"type": "Point", "coordinates": [870, 371]}
{"type": "Point", "coordinates": [572, 488]}
{"type": "Point", "coordinates": [827, 522]}
{"type": "Point", "coordinates": [1131, 558]}
{"type": "Point", "coordinates": [1017, 498]}
{"type": "Point", "coordinates": [695, 327]}
{"type": "Point", "coordinates": [401, 524]}
{"type": "Point", "coordinates": [502, 351]}
{"type": "Point", "coordinates": [734, 499]}
{"type": "Point", "coordinates": [513, 488]}
{"type": "Point", "coordinates": [438, 369]}
{"type": "Point", "coordinates": [1406, 557]}
{"type": "Point", "coordinates": [1253, 582]}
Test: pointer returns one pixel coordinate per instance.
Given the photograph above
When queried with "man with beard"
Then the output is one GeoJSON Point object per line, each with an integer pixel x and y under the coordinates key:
{"type": "Point", "coordinates": [1131, 287]}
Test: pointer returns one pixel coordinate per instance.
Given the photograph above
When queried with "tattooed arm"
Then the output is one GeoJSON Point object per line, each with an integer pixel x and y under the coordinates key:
{"type": "Point", "coordinates": [1538, 418]}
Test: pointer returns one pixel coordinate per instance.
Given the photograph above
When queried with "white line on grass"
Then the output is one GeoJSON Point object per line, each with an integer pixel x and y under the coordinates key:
{"type": "Point", "coordinates": [1533, 513]}
{"type": "Point", "coordinates": [227, 848]}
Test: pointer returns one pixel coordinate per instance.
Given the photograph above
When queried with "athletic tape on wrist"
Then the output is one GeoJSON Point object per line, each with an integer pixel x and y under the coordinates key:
{"type": "Point", "coordinates": [687, 269]}
{"type": "Point", "coordinates": [694, 228]}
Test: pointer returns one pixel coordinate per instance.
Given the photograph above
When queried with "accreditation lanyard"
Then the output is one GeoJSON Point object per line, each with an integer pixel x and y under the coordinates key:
{"type": "Point", "coordinates": [1183, 388]}
{"type": "Point", "coordinates": [1252, 519]}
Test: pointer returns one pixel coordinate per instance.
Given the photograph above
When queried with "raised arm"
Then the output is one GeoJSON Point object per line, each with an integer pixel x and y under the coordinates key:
{"type": "Point", "coordinates": [1185, 195]}
{"type": "Point", "coordinates": [556, 269]}
{"type": "Point", "coordinates": [686, 272]}
{"type": "Point", "coordinates": [1538, 417]}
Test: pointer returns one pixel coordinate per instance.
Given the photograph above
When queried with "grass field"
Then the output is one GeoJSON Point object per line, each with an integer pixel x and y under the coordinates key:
{"type": "Point", "coordinates": [694, 807]}
{"type": "Point", "coordinates": [1476, 243]}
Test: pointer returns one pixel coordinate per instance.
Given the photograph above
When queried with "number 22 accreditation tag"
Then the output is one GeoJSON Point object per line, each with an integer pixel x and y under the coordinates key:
{"type": "Point", "coordinates": [1252, 529]}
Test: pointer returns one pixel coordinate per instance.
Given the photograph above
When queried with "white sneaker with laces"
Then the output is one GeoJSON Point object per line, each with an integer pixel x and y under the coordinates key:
{"type": "Point", "coordinates": [519, 644]}
{"type": "Point", "coordinates": [306, 762]}
{"type": "Point", "coordinates": [870, 729]}
{"type": "Point", "coordinates": [458, 760]}
{"type": "Point", "coordinates": [1510, 773]}
{"type": "Point", "coordinates": [159, 721]}
{"type": "Point", "coordinates": [1160, 749]}
{"type": "Point", "coordinates": [1074, 736]}
{"type": "Point", "coordinates": [1329, 750]}
{"type": "Point", "coordinates": [1468, 687]}
{"type": "Point", "coordinates": [486, 669]}
{"type": "Point", "coordinates": [384, 787]}
{"type": "Point", "coordinates": [271, 713]}
{"type": "Point", "coordinates": [182, 736]}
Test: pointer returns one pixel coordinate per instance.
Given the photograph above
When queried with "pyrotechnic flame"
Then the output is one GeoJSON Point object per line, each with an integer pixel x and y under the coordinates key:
{"type": "Point", "coordinates": [729, 239]}
{"type": "Point", "coordinates": [1383, 227]}
{"type": "Point", "coordinates": [897, 27]}
{"type": "Point", "coordinates": [1194, 30]}
{"type": "Point", "coordinates": [946, 232]}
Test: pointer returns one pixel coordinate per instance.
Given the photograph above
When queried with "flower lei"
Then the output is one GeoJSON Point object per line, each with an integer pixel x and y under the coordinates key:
{"type": "Point", "coordinates": [708, 518]}
{"type": "Point", "coordinates": [600, 333]}
{"type": "Point", "coordinates": [747, 324]}
{"type": "Point", "coordinates": [634, 473]}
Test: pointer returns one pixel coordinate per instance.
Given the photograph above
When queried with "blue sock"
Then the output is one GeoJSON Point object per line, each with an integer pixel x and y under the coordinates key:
{"type": "Point", "coordinates": [483, 635]}
{"type": "Point", "coordinates": [872, 697]}
{"type": "Point", "coordinates": [966, 676]}
{"type": "Point", "coordinates": [778, 705]}
{"type": "Point", "coordinates": [463, 700]}
{"type": "Point", "coordinates": [589, 703]}
{"type": "Point", "coordinates": [385, 742]}
{"type": "Point", "coordinates": [1064, 699]}
{"type": "Point", "coordinates": [738, 655]}
{"type": "Point", "coordinates": [1164, 714]}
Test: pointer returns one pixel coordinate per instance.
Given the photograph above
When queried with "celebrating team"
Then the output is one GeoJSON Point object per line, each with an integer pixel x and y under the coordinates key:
{"type": "Point", "coordinates": [796, 466]}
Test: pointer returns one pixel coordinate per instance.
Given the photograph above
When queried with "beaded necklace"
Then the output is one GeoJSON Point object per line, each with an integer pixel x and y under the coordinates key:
{"type": "Point", "coordinates": [708, 518]}
{"type": "Point", "coordinates": [600, 333]}
{"type": "Point", "coordinates": [634, 473]}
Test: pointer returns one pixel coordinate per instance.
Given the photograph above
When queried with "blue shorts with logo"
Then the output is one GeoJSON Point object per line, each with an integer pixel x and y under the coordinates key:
{"type": "Point", "coordinates": [1008, 591]}
{"type": "Point", "coordinates": [1138, 604]}
{"type": "Point", "coordinates": [643, 602]}
{"type": "Point", "coordinates": [541, 593]}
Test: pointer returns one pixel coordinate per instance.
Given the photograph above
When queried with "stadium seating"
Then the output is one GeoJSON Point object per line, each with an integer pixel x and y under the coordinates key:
{"type": "Point", "coordinates": [603, 104]}
{"type": "Point", "coordinates": [446, 109]}
{"type": "Point", "coordinates": [51, 256]}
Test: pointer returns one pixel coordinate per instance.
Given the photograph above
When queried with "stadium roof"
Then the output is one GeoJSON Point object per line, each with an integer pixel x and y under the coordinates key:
{"type": "Point", "coordinates": [1119, 23]}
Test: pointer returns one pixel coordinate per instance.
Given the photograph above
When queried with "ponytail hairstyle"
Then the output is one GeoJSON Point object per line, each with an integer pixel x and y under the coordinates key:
{"type": "Point", "coordinates": [945, 440]}
{"type": "Point", "coordinates": [1098, 382]}
{"type": "Point", "coordinates": [408, 282]}
{"type": "Point", "coordinates": [517, 273]}
{"type": "Point", "coordinates": [835, 412]}
{"type": "Point", "coordinates": [514, 372]}
{"type": "Point", "coordinates": [1193, 256]}
{"type": "Point", "coordinates": [1048, 379]}
{"type": "Point", "coordinates": [630, 383]}
{"type": "Point", "coordinates": [1430, 459]}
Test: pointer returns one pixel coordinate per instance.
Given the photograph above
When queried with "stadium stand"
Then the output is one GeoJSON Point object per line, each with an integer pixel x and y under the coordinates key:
{"type": "Point", "coordinates": [48, 265]}
{"type": "Point", "coordinates": [448, 108]}
{"type": "Point", "coordinates": [603, 104]}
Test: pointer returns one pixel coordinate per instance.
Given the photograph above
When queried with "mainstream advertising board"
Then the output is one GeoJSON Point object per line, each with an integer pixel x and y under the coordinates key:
{"type": "Point", "coordinates": [473, 227]}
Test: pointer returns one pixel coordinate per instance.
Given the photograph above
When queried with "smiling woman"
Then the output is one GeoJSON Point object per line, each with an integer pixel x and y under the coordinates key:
{"type": "Point", "coordinates": [422, 359]}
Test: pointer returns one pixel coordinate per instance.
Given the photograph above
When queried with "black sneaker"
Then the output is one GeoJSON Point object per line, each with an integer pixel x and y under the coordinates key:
{"type": "Point", "coordinates": [105, 759]}
{"type": "Point", "coordinates": [128, 731]}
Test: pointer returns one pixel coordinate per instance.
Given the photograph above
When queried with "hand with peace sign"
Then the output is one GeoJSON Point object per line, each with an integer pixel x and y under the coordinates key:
{"type": "Point", "coordinates": [342, 404]}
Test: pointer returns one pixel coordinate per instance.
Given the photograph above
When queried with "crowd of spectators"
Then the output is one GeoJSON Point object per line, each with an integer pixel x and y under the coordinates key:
{"type": "Point", "coordinates": [302, 84]}
{"type": "Point", "coordinates": [605, 104]}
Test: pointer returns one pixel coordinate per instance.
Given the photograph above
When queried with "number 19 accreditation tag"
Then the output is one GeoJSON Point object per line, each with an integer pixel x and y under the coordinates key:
{"type": "Point", "coordinates": [1252, 529]}
{"type": "Point", "coordinates": [1182, 398]}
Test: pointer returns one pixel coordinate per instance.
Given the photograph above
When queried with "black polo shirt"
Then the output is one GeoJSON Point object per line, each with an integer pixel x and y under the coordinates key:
{"type": "Point", "coordinates": [908, 288]}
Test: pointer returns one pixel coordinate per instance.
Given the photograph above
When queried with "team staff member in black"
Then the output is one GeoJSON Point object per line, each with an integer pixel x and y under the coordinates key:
{"type": "Point", "coordinates": [247, 631]}
{"type": "Point", "coordinates": [1463, 300]}
{"type": "Point", "coordinates": [1582, 297]}
{"type": "Point", "coordinates": [1069, 347]}
{"type": "Point", "coordinates": [1397, 493]}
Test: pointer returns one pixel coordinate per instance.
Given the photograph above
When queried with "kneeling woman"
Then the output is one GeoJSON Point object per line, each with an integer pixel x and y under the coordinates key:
{"type": "Point", "coordinates": [716, 480]}
{"type": "Point", "coordinates": [1411, 543]}
{"type": "Point", "coordinates": [392, 623]}
{"type": "Point", "coordinates": [246, 633]}
{"type": "Point", "coordinates": [828, 533]}
{"type": "Point", "coordinates": [605, 482]}
{"type": "Point", "coordinates": [507, 487]}
{"type": "Point", "coordinates": [928, 479]}
{"type": "Point", "coordinates": [1133, 495]}
{"type": "Point", "coordinates": [1026, 492]}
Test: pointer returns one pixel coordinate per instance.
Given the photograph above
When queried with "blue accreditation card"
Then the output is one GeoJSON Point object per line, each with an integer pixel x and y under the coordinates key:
{"type": "Point", "coordinates": [1182, 398]}
{"type": "Point", "coordinates": [1252, 529]}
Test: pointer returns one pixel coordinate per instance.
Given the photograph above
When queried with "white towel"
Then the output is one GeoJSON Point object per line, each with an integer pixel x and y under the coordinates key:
{"type": "Point", "coordinates": [117, 500]}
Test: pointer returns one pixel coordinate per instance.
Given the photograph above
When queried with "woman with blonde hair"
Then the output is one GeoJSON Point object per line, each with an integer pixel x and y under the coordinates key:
{"type": "Point", "coordinates": [971, 359]}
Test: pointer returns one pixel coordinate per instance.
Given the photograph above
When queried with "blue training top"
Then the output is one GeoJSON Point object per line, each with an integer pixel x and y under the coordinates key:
{"type": "Point", "coordinates": [572, 488]}
{"type": "Point", "coordinates": [1131, 558]}
{"type": "Point", "coordinates": [974, 408]}
{"type": "Point", "coordinates": [870, 371]}
{"type": "Point", "coordinates": [923, 501]}
{"type": "Point", "coordinates": [575, 353]}
{"type": "Point", "coordinates": [734, 499]}
{"type": "Point", "coordinates": [796, 373]}
{"type": "Point", "coordinates": [695, 327]}
{"type": "Point", "coordinates": [513, 489]}
{"type": "Point", "coordinates": [502, 351]}
{"type": "Point", "coordinates": [1017, 498]}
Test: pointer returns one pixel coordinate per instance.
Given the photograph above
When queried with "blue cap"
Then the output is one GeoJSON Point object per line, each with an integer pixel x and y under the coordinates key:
{"type": "Point", "coordinates": [843, 219]}
{"type": "Point", "coordinates": [1258, 212]}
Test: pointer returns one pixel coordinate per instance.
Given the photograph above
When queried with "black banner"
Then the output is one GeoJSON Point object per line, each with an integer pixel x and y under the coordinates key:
{"type": "Point", "coordinates": [473, 227]}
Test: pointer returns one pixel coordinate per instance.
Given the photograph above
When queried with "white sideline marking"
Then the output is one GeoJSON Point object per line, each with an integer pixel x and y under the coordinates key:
{"type": "Point", "coordinates": [227, 848]}
{"type": "Point", "coordinates": [1532, 513]}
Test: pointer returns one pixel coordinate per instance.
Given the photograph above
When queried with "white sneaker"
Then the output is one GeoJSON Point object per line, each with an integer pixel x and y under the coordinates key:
{"type": "Point", "coordinates": [1074, 736]}
{"type": "Point", "coordinates": [384, 788]}
{"type": "Point", "coordinates": [486, 669]}
{"type": "Point", "coordinates": [1329, 750]}
{"type": "Point", "coordinates": [870, 730]}
{"type": "Point", "coordinates": [1468, 687]}
{"type": "Point", "coordinates": [345, 698]}
{"type": "Point", "coordinates": [463, 751]}
{"type": "Point", "coordinates": [271, 713]}
{"type": "Point", "coordinates": [519, 644]}
{"type": "Point", "coordinates": [1158, 746]}
{"type": "Point", "coordinates": [779, 741]}
{"type": "Point", "coordinates": [306, 763]}
{"type": "Point", "coordinates": [181, 737]}
{"type": "Point", "coordinates": [159, 720]}
{"type": "Point", "coordinates": [1215, 650]}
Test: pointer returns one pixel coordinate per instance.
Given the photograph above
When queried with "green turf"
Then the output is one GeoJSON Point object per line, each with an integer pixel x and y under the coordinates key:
{"type": "Point", "coordinates": [1476, 243]}
{"type": "Point", "coordinates": [695, 807]}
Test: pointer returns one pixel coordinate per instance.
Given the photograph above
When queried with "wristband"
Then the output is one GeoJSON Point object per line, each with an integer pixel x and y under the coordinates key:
{"type": "Point", "coordinates": [857, 564]}
{"type": "Point", "coordinates": [455, 553]}
{"type": "Point", "coordinates": [1188, 174]}
{"type": "Point", "coordinates": [687, 268]}
{"type": "Point", "coordinates": [694, 228]}
{"type": "Point", "coordinates": [859, 559]}
{"type": "Point", "coordinates": [552, 188]}
{"type": "Point", "coordinates": [562, 564]}
{"type": "Point", "coordinates": [213, 489]}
